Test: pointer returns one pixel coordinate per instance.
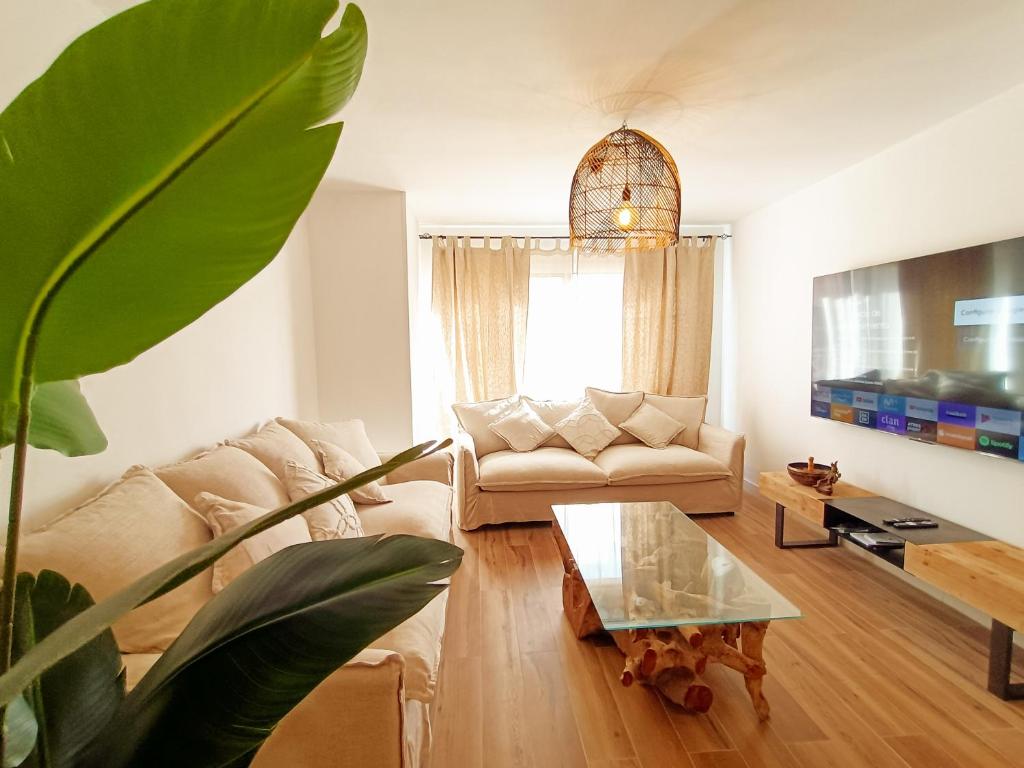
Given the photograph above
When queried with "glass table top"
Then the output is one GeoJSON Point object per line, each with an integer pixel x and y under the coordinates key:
{"type": "Point", "coordinates": [646, 565]}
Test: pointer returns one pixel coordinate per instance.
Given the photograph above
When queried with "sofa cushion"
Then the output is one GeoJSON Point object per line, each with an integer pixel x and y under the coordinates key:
{"type": "Point", "coordinates": [551, 412]}
{"type": "Point", "coordinates": [334, 519]}
{"type": "Point", "coordinates": [224, 515]}
{"type": "Point", "coordinates": [522, 428]}
{"type": "Point", "coordinates": [544, 468]}
{"type": "Point", "coordinates": [228, 472]}
{"type": "Point", "coordinates": [275, 445]}
{"type": "Point", "coordinates": [418, 507]}
{"type": "Point", "coordinates": [654, 427]}
{"type": "Point", "coordinates": [616, 407]}
{"type": "Point", "coordinates": [640, 465]}
{"type": "Point", "coordinates": [476, 419]}
{"type": "Point", "coordinates": [688, 411]}
{"type": "Point", "coordinates": [340, 465]}
{"type": "Point", "coordinates": [132, 527]}
{"type": "Point", "coordinates": [350, 435]}
{"type": "Point", "coordinates": [587, 430]}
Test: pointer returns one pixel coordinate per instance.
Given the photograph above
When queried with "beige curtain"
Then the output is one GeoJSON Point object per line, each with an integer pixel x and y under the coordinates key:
{"type": "Point", "coordinates": [480, 297]}
{"type": "Point", "coordinates": [667, 304]}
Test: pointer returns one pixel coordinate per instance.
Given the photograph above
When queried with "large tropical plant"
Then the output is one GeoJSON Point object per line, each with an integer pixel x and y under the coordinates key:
{"type": "Point", "coordinates": [158, 165]}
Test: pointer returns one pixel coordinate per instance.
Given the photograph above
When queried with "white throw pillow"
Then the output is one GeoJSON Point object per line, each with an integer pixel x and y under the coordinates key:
{"type": "Point", "coordinates": [688, 411]}
{"type": "Point", "coordinates": [223, 515]}
{"type": "Point", "coordinates": [656, 428]}
{"type": "Point", "coordinates": [340, 465]}
{"type": "Point", "coordinates": [335, 519]}
{"type": "Point", "coordinates": [587, 430]}
{"type": "Point", "coordinates": [616, 407]}
{"type": "Point", "coordinates": [476, 419]}
{"type": "Point", "coordinates": [551, 412]}
{"type": "Point", "coordinates": [522, 428]}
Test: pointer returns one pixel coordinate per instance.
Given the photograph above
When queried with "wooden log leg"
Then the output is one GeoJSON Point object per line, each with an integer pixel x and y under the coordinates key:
{"type": "Point", "coordinates": [667, 660]}
{"type": "Point", "coordinates": [752, 644]}
{"type": "Point", "coordinates": [579, 608]}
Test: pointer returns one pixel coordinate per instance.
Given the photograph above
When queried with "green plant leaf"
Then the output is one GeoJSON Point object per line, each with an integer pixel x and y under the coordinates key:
{"type": "Point", "coordinates": [258, 648]}
{"type": "Point", "coordinates": [76, 697]}
{"type": "Point", "coordinates": [63, 421]}
{"type": "Point", "coordinates": [20, 730]}
{"type": "Point", "coordinates": [88, 624]}
{"type": "Point", "coordinates": [158, 165]}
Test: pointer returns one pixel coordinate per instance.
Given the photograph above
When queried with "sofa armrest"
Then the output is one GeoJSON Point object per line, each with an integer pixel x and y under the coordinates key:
{"type": "Point", "coordinates": [439, 467]}
{"type": "Point", "coordinates": [726, 446]}
{"type": "Point", "coordinates": [467, 474]}
{"type": "Point", "coordinates": [354, 717]}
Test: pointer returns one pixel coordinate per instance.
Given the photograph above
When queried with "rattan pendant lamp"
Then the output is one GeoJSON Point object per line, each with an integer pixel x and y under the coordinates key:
{"type": "Point", "coordinates": [625, 194]}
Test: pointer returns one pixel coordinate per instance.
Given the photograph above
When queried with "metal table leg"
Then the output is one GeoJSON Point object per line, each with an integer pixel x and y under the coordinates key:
{"type": "Point", "coordinates": [1000, 661]}
{"type": "Point", "coordinates": [780, 534]}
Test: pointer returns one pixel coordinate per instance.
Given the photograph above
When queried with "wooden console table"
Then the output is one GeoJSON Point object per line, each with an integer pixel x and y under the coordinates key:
{"type": "Point", "coordinates": [981, 572]}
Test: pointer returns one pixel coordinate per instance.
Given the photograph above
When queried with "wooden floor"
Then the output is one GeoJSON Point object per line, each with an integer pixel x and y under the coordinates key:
{"type": "Point", "coordinates": [876, 674]}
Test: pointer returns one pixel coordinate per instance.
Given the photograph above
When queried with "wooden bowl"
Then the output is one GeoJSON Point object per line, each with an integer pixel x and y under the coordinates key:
{"type": "Point", "coordinates": [798, 471]}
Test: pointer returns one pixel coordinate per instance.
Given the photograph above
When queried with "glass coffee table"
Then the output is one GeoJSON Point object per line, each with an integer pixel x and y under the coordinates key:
{"type": "Point", "coordinates": [672, 598]}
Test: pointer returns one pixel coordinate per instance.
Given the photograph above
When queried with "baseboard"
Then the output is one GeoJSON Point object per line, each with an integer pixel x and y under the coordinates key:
{"type": "Point", "coordinates": [944, 598]}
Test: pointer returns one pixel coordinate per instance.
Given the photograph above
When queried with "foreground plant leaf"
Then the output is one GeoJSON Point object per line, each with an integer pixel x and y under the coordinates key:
{"type": "Point", "coordinates": [20, 730]}
{"type": "Point", "coordinates": [63, 421]}
{"type": "Point", "coordinates": [90, 623]}
{"type": "Point", "coordinates": [260, 646]}
{"type": "Point", "coordinates": [74, 699]}
{"type": "Point", "coordinates": [158, 165]}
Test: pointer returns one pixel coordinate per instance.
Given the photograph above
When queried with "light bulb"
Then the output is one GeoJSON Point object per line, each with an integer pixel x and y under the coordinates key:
{"type": "Point", "coordinates": [625, 216]}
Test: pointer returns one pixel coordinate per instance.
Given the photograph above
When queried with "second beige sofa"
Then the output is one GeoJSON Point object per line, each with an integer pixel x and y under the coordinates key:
{"type": "Point", "coordinates": [506, 486]}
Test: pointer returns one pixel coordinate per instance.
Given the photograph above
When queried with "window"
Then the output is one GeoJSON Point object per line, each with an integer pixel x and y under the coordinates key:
{"type": "Point", "coordinates": [574, 332]}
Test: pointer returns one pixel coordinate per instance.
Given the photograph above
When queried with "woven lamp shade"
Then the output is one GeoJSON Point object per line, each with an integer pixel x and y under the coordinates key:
{"type": "Point", "coordinates": [625, 194]}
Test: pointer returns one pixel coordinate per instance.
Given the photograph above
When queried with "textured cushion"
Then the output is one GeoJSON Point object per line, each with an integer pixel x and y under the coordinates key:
{"type": "Point", "coordinates": [587, 430]}
{"type": "Point", "coordinates": [275, 445]}
{"type": "Point", "coordinates": [544, 468]}
{"type": "Point", "coordinates": [640, 465]}
{"type": "Point", "coordinates": [340, 465]}
{"type": "Point", "coordinates": [228, 472]}
{"type": "Point", "coordinates": [350, 435]}
{"type": "Point", "coordinates": [132, 527]}
{"type": "Point", "coordinates": [419, 508]}
{"type": "Point", "coordinates": [522, 428]}
{"type": "Point", "coordinates": [225, 514]}
{"type": "Point", "coordinates": [476, 419]}
{"type": "Point", "coordinates": [688, 411]}
{"type": "Point", "coordinates": [616, 407]}
{"type": "Point", "coordinates": [551, 412]}
{"type": "Point", "coordinates": [654, 428]}
{"type": "Point", "coordinates": [335, 519]}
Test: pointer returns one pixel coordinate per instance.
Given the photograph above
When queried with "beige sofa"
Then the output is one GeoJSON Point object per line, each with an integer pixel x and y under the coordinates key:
{"type": "Point", "coordinates": [505, 486]}
{"type": "Point", "coordinates": [375, 710]}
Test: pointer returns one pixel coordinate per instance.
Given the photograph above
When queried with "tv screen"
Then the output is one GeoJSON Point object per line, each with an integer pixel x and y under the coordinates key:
{"type": "Point", "coordinates": [931, 348]}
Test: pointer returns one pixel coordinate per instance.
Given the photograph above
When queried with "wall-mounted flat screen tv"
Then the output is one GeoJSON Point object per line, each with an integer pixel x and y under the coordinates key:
{"type": "Point", "coordinates": [931, 348]}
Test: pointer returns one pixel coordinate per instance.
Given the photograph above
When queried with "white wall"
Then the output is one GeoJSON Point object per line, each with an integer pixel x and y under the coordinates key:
{"type": "Point", "coordinates": [248, 359]}
{"type": "Point", "coordinates": [361, 297]}
{"type": "Point", "coordinates": [957, 184]}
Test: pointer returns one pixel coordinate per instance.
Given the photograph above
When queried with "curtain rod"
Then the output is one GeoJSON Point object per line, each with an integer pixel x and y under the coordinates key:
{"type": "Point", "coordinates": [428, 236]}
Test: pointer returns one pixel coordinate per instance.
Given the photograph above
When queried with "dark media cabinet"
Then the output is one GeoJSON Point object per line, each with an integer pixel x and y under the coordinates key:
{"type": "Point", "coordinates": [976, 569]}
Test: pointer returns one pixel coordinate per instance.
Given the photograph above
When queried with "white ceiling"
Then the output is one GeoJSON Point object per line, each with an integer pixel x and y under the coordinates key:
{"type": "Point", "coordinates": [481, 109]}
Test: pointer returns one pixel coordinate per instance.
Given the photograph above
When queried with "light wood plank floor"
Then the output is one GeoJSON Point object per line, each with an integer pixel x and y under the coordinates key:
{"type": "Point", "coordinates": [877, 674]}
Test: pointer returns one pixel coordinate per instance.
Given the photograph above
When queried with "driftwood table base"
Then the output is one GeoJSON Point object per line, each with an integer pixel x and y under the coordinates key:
{"type": "Point", "coordinates": [672, 659]}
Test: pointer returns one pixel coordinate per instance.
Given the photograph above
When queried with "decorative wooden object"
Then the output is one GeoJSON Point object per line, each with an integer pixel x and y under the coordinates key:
{"type": "Point", "coordinates": [672, 659]}
{"type": "Point", "coordinates": [819, 476]}
{"type": "Point", "coordinates": [625, 194]}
